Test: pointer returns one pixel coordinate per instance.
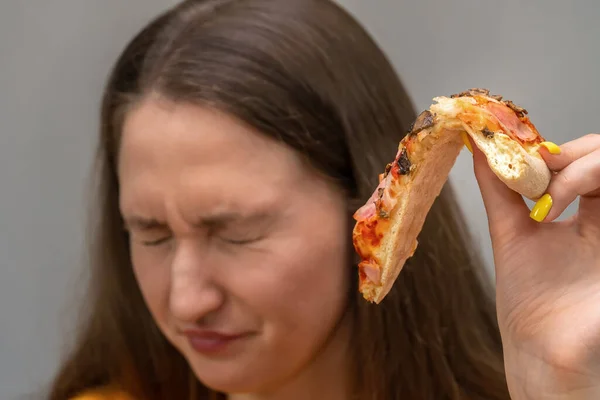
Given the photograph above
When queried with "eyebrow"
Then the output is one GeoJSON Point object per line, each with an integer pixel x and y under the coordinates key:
{"type": "Point", "coordinates": [212, 221]}
{"type": "Point", "coordinates": [142, 223]}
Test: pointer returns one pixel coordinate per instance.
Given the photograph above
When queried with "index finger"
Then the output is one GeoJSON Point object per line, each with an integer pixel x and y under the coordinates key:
{"type": "Point", "coordinates": [569, 151]}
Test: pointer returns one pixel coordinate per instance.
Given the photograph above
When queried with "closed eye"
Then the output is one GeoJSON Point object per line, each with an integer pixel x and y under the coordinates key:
{"type": "Point", "coordinates": [240, 242]}
{"type": "Point", "coordinates": [156, 242]}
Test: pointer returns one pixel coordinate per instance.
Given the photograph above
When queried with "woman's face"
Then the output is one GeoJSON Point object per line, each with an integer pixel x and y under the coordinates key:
{"type": "Point", "coordinates": [239, 249]}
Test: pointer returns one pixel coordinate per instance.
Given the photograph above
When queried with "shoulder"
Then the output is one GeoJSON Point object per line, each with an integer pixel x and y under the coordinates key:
{"type": "Point", "coordinates": [103, 394]}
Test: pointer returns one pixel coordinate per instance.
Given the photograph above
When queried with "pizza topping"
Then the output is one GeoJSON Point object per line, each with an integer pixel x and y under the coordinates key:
{"type": "Point", "coordinates": [371, 270]}
{"type": "Point", "coordinates": [387, 169]}
{"type": "Point", "coordinates": [512, 124]}
{"type": "Point", "coordinates": [404, 163]}
{"type": "Point", "coordinates": [487, 133]}
{"type": "Point", "coordinates": [424, 120]}
{"type": "Point", "coordinates": [365, 212]}
{"type": "Point", "coordinates": [373, 205]}
{"type": "Point", "coordinates": [520, 111]}
{"type": "Point", "coordinates": [370, 235]}
{"type": "Point", "coordinates": [472, 92]}
{"type": "Point", "coordinates": [384, 203]}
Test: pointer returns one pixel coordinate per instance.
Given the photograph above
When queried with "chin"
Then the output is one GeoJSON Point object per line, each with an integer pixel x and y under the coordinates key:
{"type": "Point", "coordinates": [232, 369]}
{"type": "Point", "coordinates": [228, 376]}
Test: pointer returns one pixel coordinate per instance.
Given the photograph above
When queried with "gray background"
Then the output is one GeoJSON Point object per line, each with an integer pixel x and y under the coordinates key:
{"type": "Point", "coordinates": [54, 57]}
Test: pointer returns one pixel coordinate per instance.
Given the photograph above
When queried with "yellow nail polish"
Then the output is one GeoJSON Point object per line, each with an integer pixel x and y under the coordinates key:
{"type": "Point", "coordinates": [465, 139]}
{"type": "Point", "coordinates": [553, 148]}
{"type": "Point", "coordinates": [541, 209]}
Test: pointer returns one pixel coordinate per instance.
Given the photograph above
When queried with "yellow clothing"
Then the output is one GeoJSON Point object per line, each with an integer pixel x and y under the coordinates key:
{"type": "Point", "coordinates": [104, 394]}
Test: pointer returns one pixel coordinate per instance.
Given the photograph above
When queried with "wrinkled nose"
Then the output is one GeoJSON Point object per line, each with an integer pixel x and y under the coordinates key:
{"type": "Point", "coordinates": [193, 294]}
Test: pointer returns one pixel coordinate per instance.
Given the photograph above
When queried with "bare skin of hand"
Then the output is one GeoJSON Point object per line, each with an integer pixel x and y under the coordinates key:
{"type": "Point", "coordinates": [548, 275]}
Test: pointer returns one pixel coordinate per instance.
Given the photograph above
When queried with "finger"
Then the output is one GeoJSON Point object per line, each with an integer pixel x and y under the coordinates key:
{"type": "Point", "coordinates": [579, 178]}
{"type": "Point", "coordinates": [506, 210]}
{"type": "Point", "coordinates": [558, 158]}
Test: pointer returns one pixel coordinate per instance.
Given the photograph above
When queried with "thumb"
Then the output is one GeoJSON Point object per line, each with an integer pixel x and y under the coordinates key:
{"type": "Point", "coordinates": [508, 214]}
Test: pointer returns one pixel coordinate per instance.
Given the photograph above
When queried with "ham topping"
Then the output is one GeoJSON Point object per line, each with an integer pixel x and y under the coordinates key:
{"type": "Point", "coordinates": [380, 202]}
{"type": "Point", "coordinates": [511, 122]}
{"type": "Point", "coordinates": [371, 270]}
{"type": "Point", "coordinates": [365, 212]}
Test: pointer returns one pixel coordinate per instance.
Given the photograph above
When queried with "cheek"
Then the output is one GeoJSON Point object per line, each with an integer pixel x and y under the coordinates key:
{"type": "Point", "coordinates": [153, 279]}
{"type": "Point", "coordinates": [298, 285]}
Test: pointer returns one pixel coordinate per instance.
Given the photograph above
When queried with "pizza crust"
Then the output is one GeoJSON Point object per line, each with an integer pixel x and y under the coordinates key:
{"type": "Point", "coordinates": [408, 217]}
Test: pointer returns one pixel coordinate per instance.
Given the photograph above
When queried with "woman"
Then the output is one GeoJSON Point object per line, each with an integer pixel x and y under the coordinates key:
{"type": "Point", "coordinates": [237, 139]}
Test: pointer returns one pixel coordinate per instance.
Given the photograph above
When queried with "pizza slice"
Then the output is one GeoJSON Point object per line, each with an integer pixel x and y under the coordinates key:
{"type": "Point", "coordinates": [387, 226]}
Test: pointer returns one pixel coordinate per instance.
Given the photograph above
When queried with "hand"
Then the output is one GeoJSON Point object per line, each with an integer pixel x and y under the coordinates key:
{"type": "Point", "coordinates": [548, 275]}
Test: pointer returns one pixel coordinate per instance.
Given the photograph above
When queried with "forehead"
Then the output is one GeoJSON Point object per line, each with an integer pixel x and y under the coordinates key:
{"type": "Point", "coordinates": [157, 129]}
{"type": "Point", "coordinates": [179, 149]}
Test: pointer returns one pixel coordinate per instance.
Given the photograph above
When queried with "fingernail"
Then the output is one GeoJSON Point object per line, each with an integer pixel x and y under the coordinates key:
{"type": "Point", "coordinates": [465, 139]}
{"type": "Point", "coordinates": [553, 148]}
{"type": "Point", "coordinates": [541, 209]}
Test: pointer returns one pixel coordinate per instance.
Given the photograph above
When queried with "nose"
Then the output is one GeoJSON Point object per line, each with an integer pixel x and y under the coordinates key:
{"type": "Point", "coordinates": [194, 295]}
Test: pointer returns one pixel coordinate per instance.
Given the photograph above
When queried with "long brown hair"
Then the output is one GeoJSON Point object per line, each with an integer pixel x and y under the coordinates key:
{"type": "Point", "coordinates": [303, 72]}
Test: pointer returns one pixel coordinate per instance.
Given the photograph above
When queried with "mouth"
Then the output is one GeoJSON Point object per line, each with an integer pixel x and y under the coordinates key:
{"type": "Point", "coordinates": [212, 343]}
